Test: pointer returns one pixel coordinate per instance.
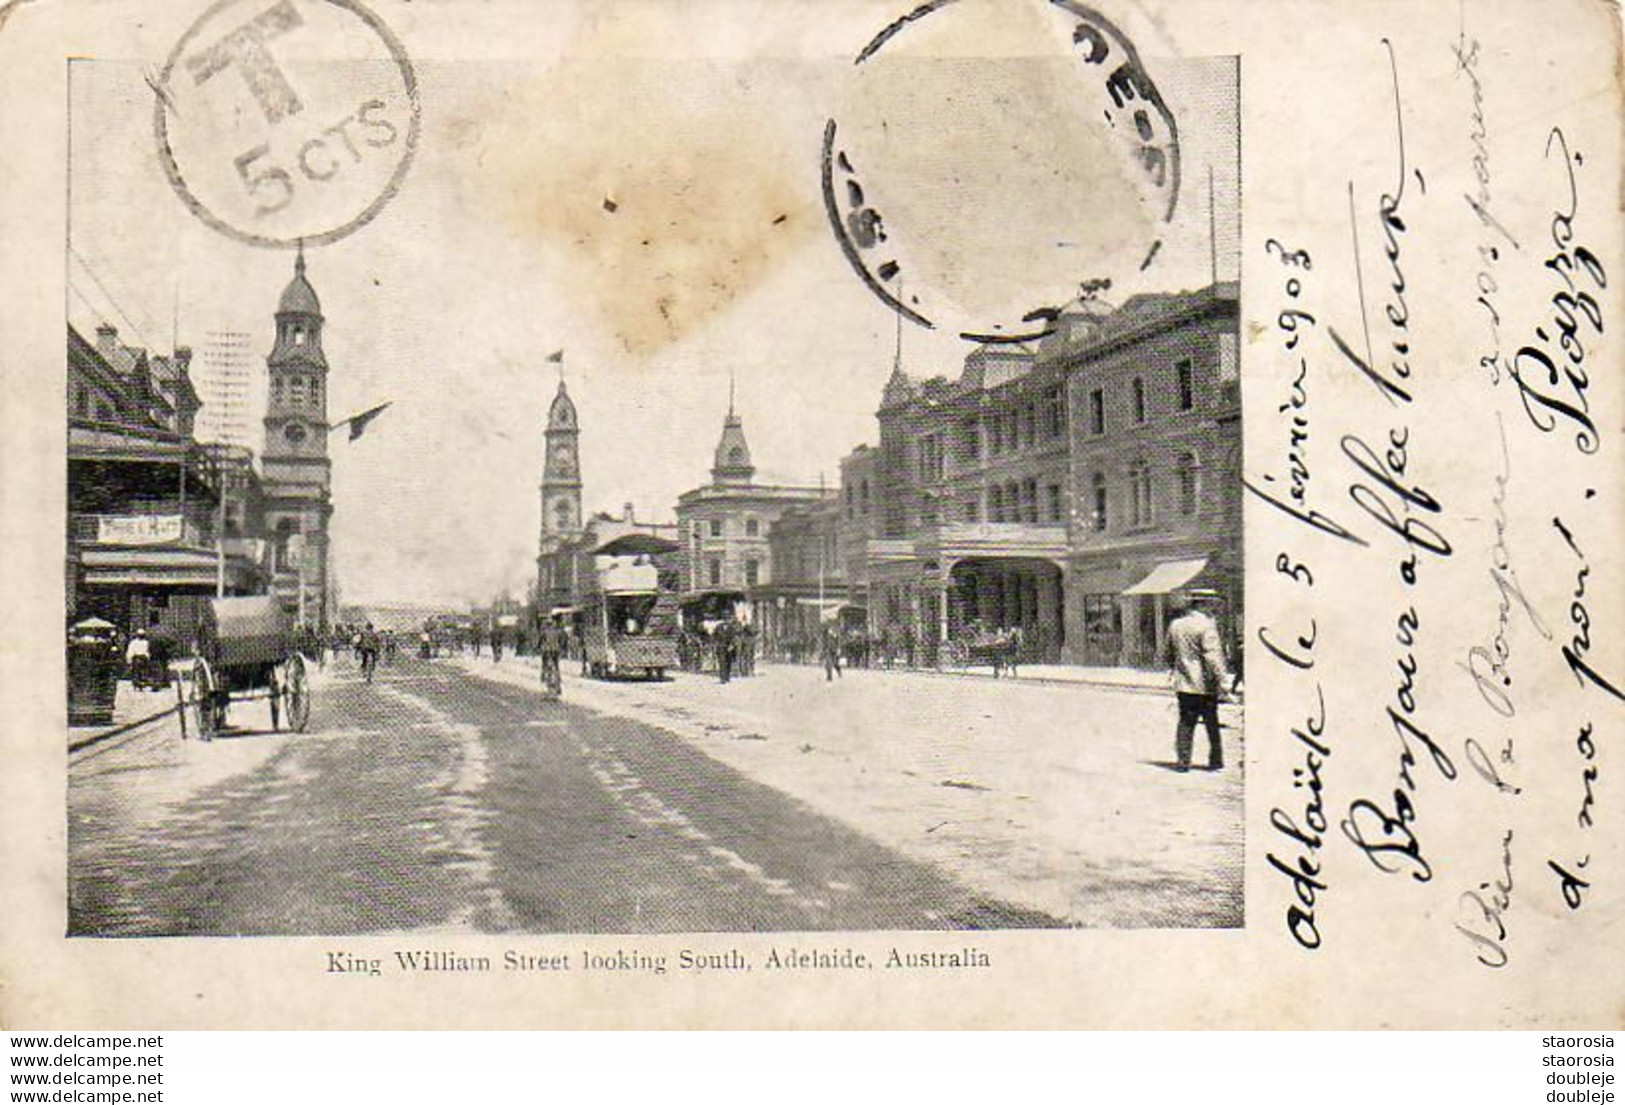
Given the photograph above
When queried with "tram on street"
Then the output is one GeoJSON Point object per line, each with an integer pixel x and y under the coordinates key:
{"type": "Point", "coordinates": [629, 624]}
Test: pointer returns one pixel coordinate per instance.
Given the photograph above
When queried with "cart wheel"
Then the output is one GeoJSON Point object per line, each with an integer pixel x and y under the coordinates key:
{"type": "Point", "coordinates": [275, 699]}
{"type": "Point", "coordinates": [296, 693]}
{"type": "Point", "coordinates": [204, 708]}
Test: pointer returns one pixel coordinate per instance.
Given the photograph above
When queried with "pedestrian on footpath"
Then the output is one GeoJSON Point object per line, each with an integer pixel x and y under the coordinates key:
{"type": "Point", "coordinates": [747, 650]}
{"type": "Point", "coordinates": [496, 646]}
{"type": "Point", "coordinates": [724, 637]}
{"type": "Point", "coordinates": [829, 650]}
{"type": "Point", "coordinates": [1196, 658]}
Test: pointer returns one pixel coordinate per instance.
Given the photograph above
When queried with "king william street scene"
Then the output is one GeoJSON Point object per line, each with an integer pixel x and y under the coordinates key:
{"type": "Point", "coordinates": [604, 549]}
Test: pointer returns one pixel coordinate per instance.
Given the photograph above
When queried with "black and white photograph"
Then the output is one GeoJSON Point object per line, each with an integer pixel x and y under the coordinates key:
{"type": "Point", "coordinates": [824, 514]}
{"type": "Point", "coordinates": [634, 496]}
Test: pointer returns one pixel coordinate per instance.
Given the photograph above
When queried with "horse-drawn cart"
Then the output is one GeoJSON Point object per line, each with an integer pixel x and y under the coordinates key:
{"type": "Point", "coordinates": [246, 650]}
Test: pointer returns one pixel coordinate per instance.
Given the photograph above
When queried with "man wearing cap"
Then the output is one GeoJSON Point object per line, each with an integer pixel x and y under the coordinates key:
{"type": "Point", "coordinates": [1196, 657]}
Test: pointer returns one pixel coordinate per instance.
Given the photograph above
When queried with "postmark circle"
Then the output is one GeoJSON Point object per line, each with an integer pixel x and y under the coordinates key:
{"type": "Point", "coordinates": [978, 191]}
{"type": "Point", "coordinates": [286, 121]}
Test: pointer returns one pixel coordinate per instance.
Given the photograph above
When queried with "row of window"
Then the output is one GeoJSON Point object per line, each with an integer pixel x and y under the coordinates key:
{"type": "Point", "coordinates": [1142, 499]}
{"type": "Point", "coordinates": [717, 528]}
{"type": "Point", "coordinates": [713, 572]}
{"type": "Point", "coordinates": [997, 433]}
{"type": "Point", "coordinates": [1139, 399]}
{"type": "Point", "coordinates": [1020, 501]}
{"type": "Point", "coordinates": [1043, 420]}
{"type": "Point", "coordinates": [1020, 427]}
{"type": "Point", "coordinates": [301, 390]}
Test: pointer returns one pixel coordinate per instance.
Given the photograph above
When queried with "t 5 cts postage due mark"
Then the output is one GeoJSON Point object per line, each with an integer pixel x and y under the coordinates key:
{"type": "Point", "coordinates": [279, 121]}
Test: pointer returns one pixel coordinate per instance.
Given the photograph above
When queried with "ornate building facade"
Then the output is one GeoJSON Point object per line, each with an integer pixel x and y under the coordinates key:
{"type": "Point", "coordinates": [723, 525]}
{"type": "Point", "coordinates": [1065, 489]}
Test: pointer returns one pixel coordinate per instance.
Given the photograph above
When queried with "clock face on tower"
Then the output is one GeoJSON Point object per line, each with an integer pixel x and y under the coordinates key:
{"type": "Point", "coordinates": [563, 460]}
{"type": "Point", "coordinates": [295, 433]}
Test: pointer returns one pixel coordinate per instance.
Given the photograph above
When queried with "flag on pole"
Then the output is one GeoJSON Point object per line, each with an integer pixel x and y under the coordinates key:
{"type": "Point", "coordinates": [358, 422]}
{"type": "Point", "coordinates": [556, 357]}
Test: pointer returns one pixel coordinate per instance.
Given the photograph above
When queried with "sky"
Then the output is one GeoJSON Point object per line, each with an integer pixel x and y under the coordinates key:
{"type": "Point", "coordinates": [716, 263]}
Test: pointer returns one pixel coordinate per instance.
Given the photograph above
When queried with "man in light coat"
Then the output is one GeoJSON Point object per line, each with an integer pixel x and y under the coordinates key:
{"type": "Point", "coordinates": [1196, 657]}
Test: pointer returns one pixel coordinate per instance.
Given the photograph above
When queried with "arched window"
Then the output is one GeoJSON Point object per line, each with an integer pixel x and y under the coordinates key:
{"type": "Point", "coordinates": [1139, 478]}
{"type": "Point", "coordinates": [286, 530]}
{"type": "Point", "coordinates": [1190, 483]}
{"type": "Point", "coordinates": [1101, 501]}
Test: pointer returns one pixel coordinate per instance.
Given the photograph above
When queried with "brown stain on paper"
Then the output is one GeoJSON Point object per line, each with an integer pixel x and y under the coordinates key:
{"type": "Point", "coordinates": [661, 191]}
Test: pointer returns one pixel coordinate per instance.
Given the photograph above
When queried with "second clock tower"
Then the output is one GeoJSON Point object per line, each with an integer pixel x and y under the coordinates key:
{"type": "Point", "coordinates": [561, 471]}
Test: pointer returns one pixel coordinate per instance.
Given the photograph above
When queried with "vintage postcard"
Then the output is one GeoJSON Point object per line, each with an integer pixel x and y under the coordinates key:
{"type": "Point", "coordinates": [691, 513]}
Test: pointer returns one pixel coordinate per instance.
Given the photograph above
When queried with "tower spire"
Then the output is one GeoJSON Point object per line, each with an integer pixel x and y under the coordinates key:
{"type": "Point", "coordinates": [730, 391]}
{"type": "Point", "coordinates": [299, 259]}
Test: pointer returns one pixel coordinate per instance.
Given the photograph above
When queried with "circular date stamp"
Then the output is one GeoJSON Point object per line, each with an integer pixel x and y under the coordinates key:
{"type": "Point", "coordinates": [991, 177]}
{"type": "Point", "coordinates": [286, 121]}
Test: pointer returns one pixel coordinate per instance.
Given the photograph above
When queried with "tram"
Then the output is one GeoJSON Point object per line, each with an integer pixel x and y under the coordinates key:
{"type": "Point", "coordinates": [630, 622]}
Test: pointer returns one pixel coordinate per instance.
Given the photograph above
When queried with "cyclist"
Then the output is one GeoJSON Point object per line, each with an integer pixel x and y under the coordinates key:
{"type": "Point", "coordinates": [551, 647]}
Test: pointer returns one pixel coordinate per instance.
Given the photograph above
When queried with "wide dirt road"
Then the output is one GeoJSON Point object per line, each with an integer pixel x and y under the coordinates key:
{"type": "Point", "coordinates": [431, 800]}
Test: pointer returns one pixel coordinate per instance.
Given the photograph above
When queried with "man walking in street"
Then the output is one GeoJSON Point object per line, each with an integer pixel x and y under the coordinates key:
{"type": "Point", "coordinates": [829, 649]}
{"type": "Point", "coordinates": [724, 637]}
{"type": "Point", "coordinates": [1196, 658]}
{"type": "Point", "coordinates": [367, 646]}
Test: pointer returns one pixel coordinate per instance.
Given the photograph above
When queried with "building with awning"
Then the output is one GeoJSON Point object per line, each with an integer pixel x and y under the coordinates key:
{"type": "Point", "coordinates": [1063, 489]}
{"type": "Point", "coordinates": [144, 543]}
{"type": "Point", "coordinates": [1155, 399]}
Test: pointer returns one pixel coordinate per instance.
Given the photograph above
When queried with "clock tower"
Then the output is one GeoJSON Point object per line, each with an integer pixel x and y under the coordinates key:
{"type": "Point", "coordinates": [561, 472]}
{"type": "Point", "coordinates": [297, 473]}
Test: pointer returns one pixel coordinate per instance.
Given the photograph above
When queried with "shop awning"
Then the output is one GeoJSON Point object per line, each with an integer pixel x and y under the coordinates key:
{"type": "Point", "coordinates": [1168, 576]}
{"type": "Point", "coordinates": [156, 567]}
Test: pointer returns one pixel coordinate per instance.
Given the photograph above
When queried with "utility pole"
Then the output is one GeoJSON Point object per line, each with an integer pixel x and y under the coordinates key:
{"type": "Point", "coordinates": [220, 530]}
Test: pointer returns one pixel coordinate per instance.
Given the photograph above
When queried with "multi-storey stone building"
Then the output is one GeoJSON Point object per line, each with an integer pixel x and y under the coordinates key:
{"type": "Point", "coordinates": [1064, 489]}
{"type": "Point", "coordinates": [723, 525]}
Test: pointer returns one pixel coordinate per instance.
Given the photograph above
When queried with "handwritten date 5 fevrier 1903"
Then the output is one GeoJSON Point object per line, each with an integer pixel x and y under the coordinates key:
{"type": "Point", "coordinates": [1400, 516]}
